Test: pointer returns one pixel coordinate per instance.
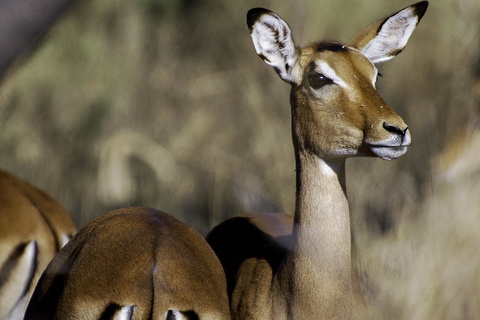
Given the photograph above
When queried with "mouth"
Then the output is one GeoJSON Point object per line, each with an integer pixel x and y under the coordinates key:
{"type": "Point", "coordinates": [388, 152]}
{"type": "Point", "coordinates": [391, 148]}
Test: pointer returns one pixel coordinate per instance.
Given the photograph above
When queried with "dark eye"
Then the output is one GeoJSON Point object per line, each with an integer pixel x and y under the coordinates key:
{"type": "Point", "coordinates": [318, 80]}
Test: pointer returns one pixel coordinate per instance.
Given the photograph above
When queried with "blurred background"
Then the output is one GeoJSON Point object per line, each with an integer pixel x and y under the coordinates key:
{"type": "Point", "coordinates": [164, 103]}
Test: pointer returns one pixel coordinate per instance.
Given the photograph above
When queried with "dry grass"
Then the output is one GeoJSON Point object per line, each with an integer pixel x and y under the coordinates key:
{"type": "Point", "coordinates": [139, 103]}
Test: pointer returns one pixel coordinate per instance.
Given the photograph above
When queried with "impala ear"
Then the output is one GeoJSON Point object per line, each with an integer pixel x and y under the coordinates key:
{"type": "Point", "coordinates": [385, 39]}
{"type": "Point", "coordinates": [273, 42]}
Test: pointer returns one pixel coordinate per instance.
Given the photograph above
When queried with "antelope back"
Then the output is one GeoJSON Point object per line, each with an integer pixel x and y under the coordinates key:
{"type": "Point", "coordinates": [136, 262]}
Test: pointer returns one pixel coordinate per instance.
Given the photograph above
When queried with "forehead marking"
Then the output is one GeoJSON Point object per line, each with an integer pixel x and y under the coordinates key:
{"type": "Point", "coordinates": [323, 68]}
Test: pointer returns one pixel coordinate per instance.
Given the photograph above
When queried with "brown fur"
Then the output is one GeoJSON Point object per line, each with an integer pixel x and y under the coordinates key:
{"type": "Point", "coordinates": [137, 257]}
{"type": "Point", "coordinates": [27, 216]}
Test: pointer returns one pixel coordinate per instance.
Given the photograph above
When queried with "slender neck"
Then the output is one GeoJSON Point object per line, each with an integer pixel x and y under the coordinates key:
{"type": "Point", "coordinates": [319, 268]}
{"type": "Point", "coordinates": [322, 220]}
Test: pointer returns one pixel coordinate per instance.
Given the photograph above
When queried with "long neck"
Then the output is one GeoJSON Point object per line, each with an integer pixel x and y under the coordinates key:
{"type": "Point", "coordinates": [319, 268]}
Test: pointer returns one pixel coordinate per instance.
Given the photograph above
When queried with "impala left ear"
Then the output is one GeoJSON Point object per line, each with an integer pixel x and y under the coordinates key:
{"type": "Point", "coordinates": [273, 42]}
{"type": "Point", "coordinates": [383, 40]}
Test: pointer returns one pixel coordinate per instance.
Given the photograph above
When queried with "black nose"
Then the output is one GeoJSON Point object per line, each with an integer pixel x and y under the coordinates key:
{"type": "Point", "coordinates": [395, 129]}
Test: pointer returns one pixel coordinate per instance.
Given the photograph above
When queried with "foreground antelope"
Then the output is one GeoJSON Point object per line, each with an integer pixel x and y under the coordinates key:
{"type": "Point", "coordinates": [284, 267]}
{"type": "Point", "coordinates": [33, 227]}
{"type": "Point", "coordinates": [133, 263]}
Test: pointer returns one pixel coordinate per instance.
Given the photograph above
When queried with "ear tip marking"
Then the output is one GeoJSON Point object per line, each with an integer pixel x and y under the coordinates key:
{"type": "Point", "coordinates": [254, 14]}
{"type": "Point", "coordinates": [420, 8]}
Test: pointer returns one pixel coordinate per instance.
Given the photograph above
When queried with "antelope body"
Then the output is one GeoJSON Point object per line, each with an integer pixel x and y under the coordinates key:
{"type": "Point", "coordinates": [133, 263]}
{"type": "Point", "coordinates": [33, 227]}
{"type": "Point", "coordinates": [284, 267]}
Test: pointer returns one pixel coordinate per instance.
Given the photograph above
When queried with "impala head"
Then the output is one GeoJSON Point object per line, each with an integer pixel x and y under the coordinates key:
{"type": "Point", "coordinates": [336, 110]}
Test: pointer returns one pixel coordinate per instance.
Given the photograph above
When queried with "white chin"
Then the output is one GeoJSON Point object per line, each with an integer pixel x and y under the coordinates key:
{"type": "Point", "coordinates": [389, 153]}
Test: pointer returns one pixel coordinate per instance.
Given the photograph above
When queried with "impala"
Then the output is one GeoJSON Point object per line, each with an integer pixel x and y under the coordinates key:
{"type": "Point", "coordinates": [133, 263]}
{"type": "Point", "coordinates": [33, 227]}
{"type": "Point", "coordinates": [284, 267]}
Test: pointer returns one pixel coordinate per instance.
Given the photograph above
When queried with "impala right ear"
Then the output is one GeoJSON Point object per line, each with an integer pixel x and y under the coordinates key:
{"type": "Point", "coordinates": [383, 40]}
{"type": "Point", "coordinates": [273, 42]}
